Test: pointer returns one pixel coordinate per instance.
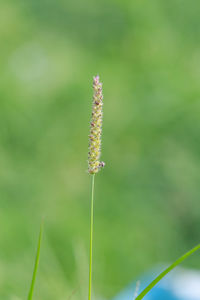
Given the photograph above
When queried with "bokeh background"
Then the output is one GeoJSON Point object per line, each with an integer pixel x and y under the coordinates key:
{"type": "Point", "coordinates": [147, 207]}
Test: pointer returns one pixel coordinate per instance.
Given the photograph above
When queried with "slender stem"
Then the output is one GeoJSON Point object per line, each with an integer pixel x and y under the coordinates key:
{"type": "Point", "coordinates": [30, 295]}
{"type": "Point", "coordinates": [91, 239]}
{"type": "Point", "coordinates": [166, 271]}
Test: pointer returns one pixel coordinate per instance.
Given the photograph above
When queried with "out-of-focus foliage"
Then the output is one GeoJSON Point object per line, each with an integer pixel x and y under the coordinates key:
{"type": "Point", "coordinates": [147, 206]}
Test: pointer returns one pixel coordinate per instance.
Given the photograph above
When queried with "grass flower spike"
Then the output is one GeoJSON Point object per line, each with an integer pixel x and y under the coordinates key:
{"type": "Point", "coordinates": [94, 165]}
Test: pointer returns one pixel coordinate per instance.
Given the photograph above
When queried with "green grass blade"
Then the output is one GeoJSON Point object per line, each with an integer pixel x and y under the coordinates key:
{"type": "Point", "coordinates": [166, 271]}
{"type": "Point", "coordinates": [30, 295]}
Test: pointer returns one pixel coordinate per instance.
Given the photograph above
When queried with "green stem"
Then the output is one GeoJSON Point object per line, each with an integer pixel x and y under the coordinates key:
{"type": "Point", "coordinates": [30, 295]}
{"type": "Point", "coordinates": [166, 271]}
{"type": "Point", "coordinates": [91, 239]}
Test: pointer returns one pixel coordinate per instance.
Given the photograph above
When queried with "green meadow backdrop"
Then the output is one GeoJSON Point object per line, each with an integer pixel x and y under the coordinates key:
{"type": "Point", "coordinates": [147, 199]}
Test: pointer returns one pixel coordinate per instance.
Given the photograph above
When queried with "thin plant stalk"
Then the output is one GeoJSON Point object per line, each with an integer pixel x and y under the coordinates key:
{"type": "Point", "coordinates": [91, 238]}
{"type": "Point", "coordinates": [166, 271]}
{"type": "Point", "coordinates": [30, 295]}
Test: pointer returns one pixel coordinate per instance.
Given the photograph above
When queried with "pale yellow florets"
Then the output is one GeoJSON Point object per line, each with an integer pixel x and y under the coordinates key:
{"type": "Point", "coordinates": [94, 165]}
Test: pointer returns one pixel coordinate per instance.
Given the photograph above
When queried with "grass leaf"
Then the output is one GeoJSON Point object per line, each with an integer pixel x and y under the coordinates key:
{"type": "Point", "coordinates": [166, 271]}
{"type": "Point", "coordinates": [30, 295]}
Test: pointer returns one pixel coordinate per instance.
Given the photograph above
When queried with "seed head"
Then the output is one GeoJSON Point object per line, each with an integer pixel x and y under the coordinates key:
{"type": "Point", "coordinates": [94, 165]}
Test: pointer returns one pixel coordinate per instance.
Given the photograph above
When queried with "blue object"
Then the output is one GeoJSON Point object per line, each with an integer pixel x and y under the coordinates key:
{"type": "Point", "coordinates": [180, 284]}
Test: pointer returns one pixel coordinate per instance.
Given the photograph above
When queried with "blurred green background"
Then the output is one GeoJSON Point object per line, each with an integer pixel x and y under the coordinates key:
{"type": "Point", "coordinates": [147, 207]}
